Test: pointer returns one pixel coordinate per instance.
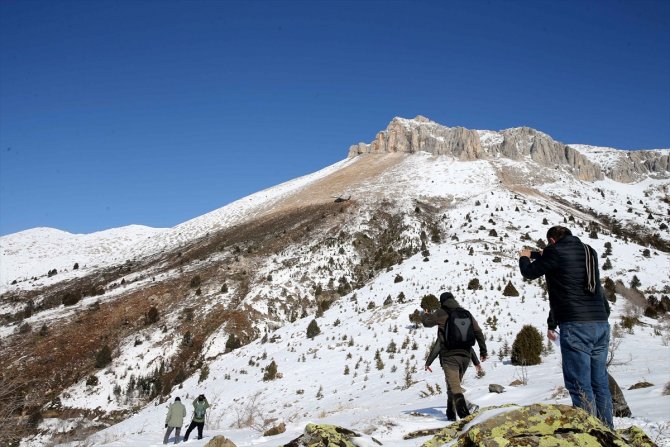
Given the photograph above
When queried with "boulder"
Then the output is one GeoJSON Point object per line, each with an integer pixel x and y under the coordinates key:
{"type": "Point", "coordinates": [220, 441]}
{"type": "Point", "coordinates": [330, 435]}
{"type": "Point", "coordinates": [494, 388]}
{"type": "Point", "coordinates": [536, 425]}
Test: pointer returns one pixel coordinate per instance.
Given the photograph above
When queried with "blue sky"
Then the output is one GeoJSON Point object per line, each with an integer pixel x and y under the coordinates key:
{"type": "Point", "coordinates": [154, 112]}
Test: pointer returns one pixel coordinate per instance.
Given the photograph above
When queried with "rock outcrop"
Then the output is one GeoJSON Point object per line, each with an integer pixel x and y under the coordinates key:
{"type": "Point", "coordinates": [330, 435]}
{"type": "Point", "coordinates": [537, 424]}
{"type": "Point", "coordinates": [421, 134]}
{"type": "Point", "coordinates": [509, 425]}
{"type": "Point", "coordinates": [632, 166]}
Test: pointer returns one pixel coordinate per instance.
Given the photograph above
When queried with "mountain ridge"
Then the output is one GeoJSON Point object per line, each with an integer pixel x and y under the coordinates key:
{"type": "Point", "coordinates": [421, 134]}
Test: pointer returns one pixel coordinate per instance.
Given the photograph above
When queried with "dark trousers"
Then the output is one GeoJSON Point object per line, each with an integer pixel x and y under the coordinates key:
{"type": "Point", "coordinates": [194, 424]}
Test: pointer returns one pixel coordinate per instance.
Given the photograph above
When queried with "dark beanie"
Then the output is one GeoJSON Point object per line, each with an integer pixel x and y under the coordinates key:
{"type": "Point", "coordinates": [176, 399]}
{"type": "Point", "coordinates": [448, 301]}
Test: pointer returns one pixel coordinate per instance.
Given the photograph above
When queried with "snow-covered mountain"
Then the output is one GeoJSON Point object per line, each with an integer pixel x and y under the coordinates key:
{"type": "Point", "coordinates": [206, 306]}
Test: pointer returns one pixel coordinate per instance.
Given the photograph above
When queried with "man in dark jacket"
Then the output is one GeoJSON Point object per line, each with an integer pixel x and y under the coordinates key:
{"type": "Point", "coordinates": [454, 361]}
{"type": "Point", "coordinates": [580, 310]}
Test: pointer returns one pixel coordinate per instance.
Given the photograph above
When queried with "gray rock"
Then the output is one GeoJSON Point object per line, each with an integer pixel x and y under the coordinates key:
{"type": "Point", "coordinates": [493, 388]}
{"type": "Point", "coordinates": [421, 134]}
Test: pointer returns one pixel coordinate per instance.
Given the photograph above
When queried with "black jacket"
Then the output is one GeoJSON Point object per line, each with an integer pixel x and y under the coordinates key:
{"type": "Point", "coordinates": [439, 318]}
{"type": "Point", "coordinates": [564, 266]}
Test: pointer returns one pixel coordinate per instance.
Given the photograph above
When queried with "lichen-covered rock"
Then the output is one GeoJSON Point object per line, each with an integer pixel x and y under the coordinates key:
{"type": "Point", "coordinates": [541, 425]}
{"type": "Point", "coordinates": [325, 435]}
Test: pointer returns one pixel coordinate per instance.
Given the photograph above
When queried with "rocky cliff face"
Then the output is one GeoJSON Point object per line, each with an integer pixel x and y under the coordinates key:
{"type": "Point", "coordinates": [629, 166]}
{"type": "Point", "coordinates": [421, 134]}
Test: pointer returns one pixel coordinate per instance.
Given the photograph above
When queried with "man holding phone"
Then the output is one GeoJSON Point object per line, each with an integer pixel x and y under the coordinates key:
{"type": "Point", "coordinates": [580, 310]}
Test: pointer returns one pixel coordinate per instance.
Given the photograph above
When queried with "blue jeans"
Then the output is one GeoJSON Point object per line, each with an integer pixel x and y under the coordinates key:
{"type": "Point", "coordinates": [584, 350]}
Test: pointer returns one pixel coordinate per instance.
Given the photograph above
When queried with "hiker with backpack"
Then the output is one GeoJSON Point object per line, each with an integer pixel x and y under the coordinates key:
{"type": "Point", "coordinates": [457, 332]}
{"type": "Point", "coordinates": [580, 309]}
{"type": "Point", "coordinates": [200, 406]}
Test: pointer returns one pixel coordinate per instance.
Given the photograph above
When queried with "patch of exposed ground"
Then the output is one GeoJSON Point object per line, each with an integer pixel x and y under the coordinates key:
{"type": "Point", "coordinates": [342, 183]}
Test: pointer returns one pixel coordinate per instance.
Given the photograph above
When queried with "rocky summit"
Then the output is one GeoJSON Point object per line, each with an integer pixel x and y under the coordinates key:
{"type": "Point", "coordinates": [423, 135]}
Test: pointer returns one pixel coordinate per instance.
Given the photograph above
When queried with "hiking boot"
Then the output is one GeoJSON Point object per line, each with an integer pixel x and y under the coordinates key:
{"type": "Point", "coordinates": [461, 406]}
{"type": "Point", "coordinates": [472, 408]}
{"type": "Point", "coordinates": [451, 413]}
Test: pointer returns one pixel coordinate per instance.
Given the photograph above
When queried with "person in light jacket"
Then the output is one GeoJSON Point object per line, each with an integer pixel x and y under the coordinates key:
{"type": "Point", "coordinates": [200, 406]}
{"type": "Point", "coordinates": [174, 420]}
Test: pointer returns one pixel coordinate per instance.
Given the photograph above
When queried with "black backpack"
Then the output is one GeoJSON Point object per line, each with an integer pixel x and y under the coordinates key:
{"type": "Point", "coordinates": [459, 332]}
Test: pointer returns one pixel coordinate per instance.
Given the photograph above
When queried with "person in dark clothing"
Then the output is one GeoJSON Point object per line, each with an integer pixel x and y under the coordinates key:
{"type": "Point", "coordinates": [434, 353]}
{"type": "Point", "coordinates": [579, 307]}
{"type": "Point", "coordinates": [455, 361]}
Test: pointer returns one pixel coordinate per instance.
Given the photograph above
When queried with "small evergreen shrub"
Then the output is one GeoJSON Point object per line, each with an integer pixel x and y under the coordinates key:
{"type": "Point", "coordinates": [527, 347]}
{"type": "Point", "coordinates": [71, 298]}
{"type": "Point", "coordinates": [103, 357]}
{"type": "Point", "coordinates": [607, 265]}
{"type": "Point", "coordinates": [650, 312]}
{"type": "Point", "coordinates": [510, 290]}
{"type": "Point", "coordinates": [92, 380]}
{"type": "Point", "coordinates": [473, 284]}
{"type": "Point", "coordinates": [610, 289]}
{"type": "Point", "coordinates": [313, 329]}
{"type": "Point", "coordinates": [430, 302]}
{"type": "Point", "coordinates": [195, 282]}
{"type": "Point", "coordinates": [270, 372]}
{"type": "Point", "coordinates": [152, 316]}
{"type": "Point", "coordinates": [635, 282]}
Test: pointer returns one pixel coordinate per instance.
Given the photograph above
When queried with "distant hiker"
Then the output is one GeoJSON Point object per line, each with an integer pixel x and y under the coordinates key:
{"type": "Point", "coordinates": [578, 304]}
{"type": "Point", "coordinates": [200, 406]}
{"type": "Point", "coordinates": [174, 420]}
{"type": "Point", "coordinates": [457, 331]}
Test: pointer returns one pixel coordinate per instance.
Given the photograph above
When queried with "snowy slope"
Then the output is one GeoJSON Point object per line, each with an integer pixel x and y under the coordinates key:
{"type": "Point", "coordinates": [32, 253]}
{"type": "Point", "coordinates": [381, 402]}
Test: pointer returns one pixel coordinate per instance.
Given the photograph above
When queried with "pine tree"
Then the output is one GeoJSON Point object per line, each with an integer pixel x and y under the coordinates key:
{"type": "Point", "coordinates": [510, 290]}
{"type": "Point", "coordinates": [103, 357]}
{"type": "Point", "coordinates": [607, 265]}
{"type": "Point", "coordinates": [270, 372]}
{"type": "Point", "coordinates": [635, 282]}
{"type": "Point", "coordinates": [313, 329]}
